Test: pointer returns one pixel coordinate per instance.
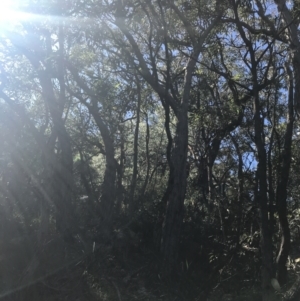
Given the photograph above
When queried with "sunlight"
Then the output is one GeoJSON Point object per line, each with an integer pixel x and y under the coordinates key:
{"type": "Point", "coordinates": [10, 14]}
{"type": "Point", "coordinates": [8, 11]}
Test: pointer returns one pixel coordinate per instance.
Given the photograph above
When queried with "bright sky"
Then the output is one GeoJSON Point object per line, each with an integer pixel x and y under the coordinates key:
{"type": "Point", "coordinates": [10, 14]}
{"type": "Point", "coordinates": [8, 10]}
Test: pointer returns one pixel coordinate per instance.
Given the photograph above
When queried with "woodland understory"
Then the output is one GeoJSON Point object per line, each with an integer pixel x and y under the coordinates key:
{"type": "Point", "coordinates": [150, 150]}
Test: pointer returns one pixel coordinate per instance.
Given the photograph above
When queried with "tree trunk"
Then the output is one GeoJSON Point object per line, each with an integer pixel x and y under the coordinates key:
{"type": "Point", "coordinates": [147, 158]}
{"type": "Point", "coordinates": [294, 100]}
{"type": "Point", "coordinates": [281, 191]}
{"type": "Point", "coordinates": [262, 189]}
{"type": "Point", "coordinates": [272, 198]}
{"type": "Point", "coordinates": [120, 172]}
{"type": "Point", "coordinates": [240, 190]}
{"type": "Point", "coordinates": [175, 201]}
{"type": "Point", "coordinates": [62, 168]}
{"type": "Point", "coordinates": [132, 201]}
{"type": "Point", "coordinates": [108, 188]}
{"type": "Point", "coordinates": [179, 105]}
{"type": "Point", "coordinates": [265, 234]}
{"type": "Point", "coordinates": [293, 36]}
{"type": "Point", "coordinates": [64, 182]}
{"type": "Point", "coordinates": [58, 171]}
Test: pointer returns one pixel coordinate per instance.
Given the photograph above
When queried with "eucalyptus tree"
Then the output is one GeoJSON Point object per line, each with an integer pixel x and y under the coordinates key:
{"type": "Point", "coordinates": [213, 115]}
{"type": "Point", "coordinates": [258, 45]}
{"type": "Point", "coordinates": [290, 18]}
{"type": "Point", "coordinates": [163, 42]}
{"type": "Point", "coordinates": [283, 30]}
{"type": "Point", "coordinates": [288, 13]}
{"type": "Point", "coordinates": [32, 46]}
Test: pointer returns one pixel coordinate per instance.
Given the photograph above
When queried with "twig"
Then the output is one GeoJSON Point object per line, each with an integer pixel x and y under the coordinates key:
{"type": "Point", "coordinates": [117, 289]}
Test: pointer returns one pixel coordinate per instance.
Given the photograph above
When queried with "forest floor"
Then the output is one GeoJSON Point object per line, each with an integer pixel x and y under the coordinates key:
{"type": "Point", "coordinates": [102, 272]}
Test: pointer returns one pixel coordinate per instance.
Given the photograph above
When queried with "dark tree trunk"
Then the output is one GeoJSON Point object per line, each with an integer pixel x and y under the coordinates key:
{"type": "Point", "coordinates": [293, 36]}
{"type": "Point", "coordinates": [84, 171]}
{"type": "Point", "coordinates": [63, 185]}
{"type": "Point", "coordinates": [62, 182]}
{"type": "Point", "coordinates": [265, 233]}
{"type": "Point", "coordinates": [132, 200]}
{"type": "Point", "coordinates": [240, 191]}
{"type": "Point", "coordinates": [294, 99]}
{"type": "Point", "coordinates": [179, 105]}
{"type": "Point", "coordinates": [272, 198]}
{"type": "Point", "coordinates": [108, 188]}
{"type": "Point", "coordinates": [120, 172]}
{"type": "Point", "coordinates": [262, 189]}
{"type": "Point", "coordinates": [58, 170]}
{"type": "Point", "coordinates": [62, 168]}
{"type": "Point", "coordinates": [147, 158]}
{"type": "Point", "coordinates": [281, 191]}
{"type": "Point", "coordinates": [175, 201]}
{"type": "Point", "coordinates": [178, 180]}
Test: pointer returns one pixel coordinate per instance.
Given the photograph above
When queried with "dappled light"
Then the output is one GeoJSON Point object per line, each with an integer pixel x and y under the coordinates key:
{"type": "Point", "coordinates": [149, 150]}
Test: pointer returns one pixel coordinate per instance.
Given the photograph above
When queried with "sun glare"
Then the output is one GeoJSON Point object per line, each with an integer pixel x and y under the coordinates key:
{"type": "Point", "coordinates": [7, 11]}
{"type": "Point", "coordinates": [10, 14]}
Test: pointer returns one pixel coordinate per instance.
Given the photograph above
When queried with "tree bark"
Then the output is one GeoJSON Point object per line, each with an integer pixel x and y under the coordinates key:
{"type": "Point", "coordinates": [60, 166]}
{"type": "Point", "coordinates": [174, 212]}
{"type": "Point", "coordinates": [293, 37]}
{"type": "Point", "coordinates": [262, 189]}
{"type": "Point", "coordinates": [120, 172]}
{"type": "Point", "coordinates": [175, 201]}
{"type": "Point", "coordinates": [265, 233]}
{"type": "Point", "coordinates": [240, 190]}
{"type": "Point", "coordinates": [108, 188]}
{"type": "Point", "coordinates": [147, 158]}
{"type": "Point", "coordinates": [281, 191]}
{"type": "Point", "coordinates": [179, 104]}
{"type": "Point", "coordinates": [132, 200]}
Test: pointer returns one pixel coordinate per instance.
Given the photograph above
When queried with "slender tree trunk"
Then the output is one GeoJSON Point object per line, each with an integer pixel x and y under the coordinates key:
{"type": "Point", "coordinates": [84, 169]}
{"type": "Point", "coordinates": [293, 35]}
{"type": "Point", "coordinates": [62, 167]}
{"type": "Point", "coordinates": [272, 198]}
{"type": "Point", "coordinates": [262, 191]}
{"type": "Point", "coordinates": [58, 168]}
{"type": "Point", "coordinates": [120, 172]}
{"type": "Point", "coordinates": [210, 181]}
{"type": "Point", "coordinates": [179, 105]}
{"type": "Point", "coordinates": [265, 234]}
{"type": "Point", "coordinates": [132, 201]}
{"type": "Point", "coordinates": [108, 188]}
{"type": "Point", "coordinates": [174, 212]}
{"type": "Point", "coordinates": [281, 191]}
{"type": "Point", "coordinates": [147, 158]}
{"type": "Point", "coordinates": [62, 184]}
{"type": "Point", "coordinates": [240, 190]}
{"type": "Point", "coordinates": [178, 180]}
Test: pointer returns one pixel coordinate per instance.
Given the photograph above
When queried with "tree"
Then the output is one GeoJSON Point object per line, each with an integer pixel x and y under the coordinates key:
{"type": "Point", "coordinates": [163, 82]}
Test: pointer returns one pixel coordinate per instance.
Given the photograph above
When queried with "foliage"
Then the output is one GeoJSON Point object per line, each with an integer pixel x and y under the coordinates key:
{"type": "Point", "coordinates": [134, 131]}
